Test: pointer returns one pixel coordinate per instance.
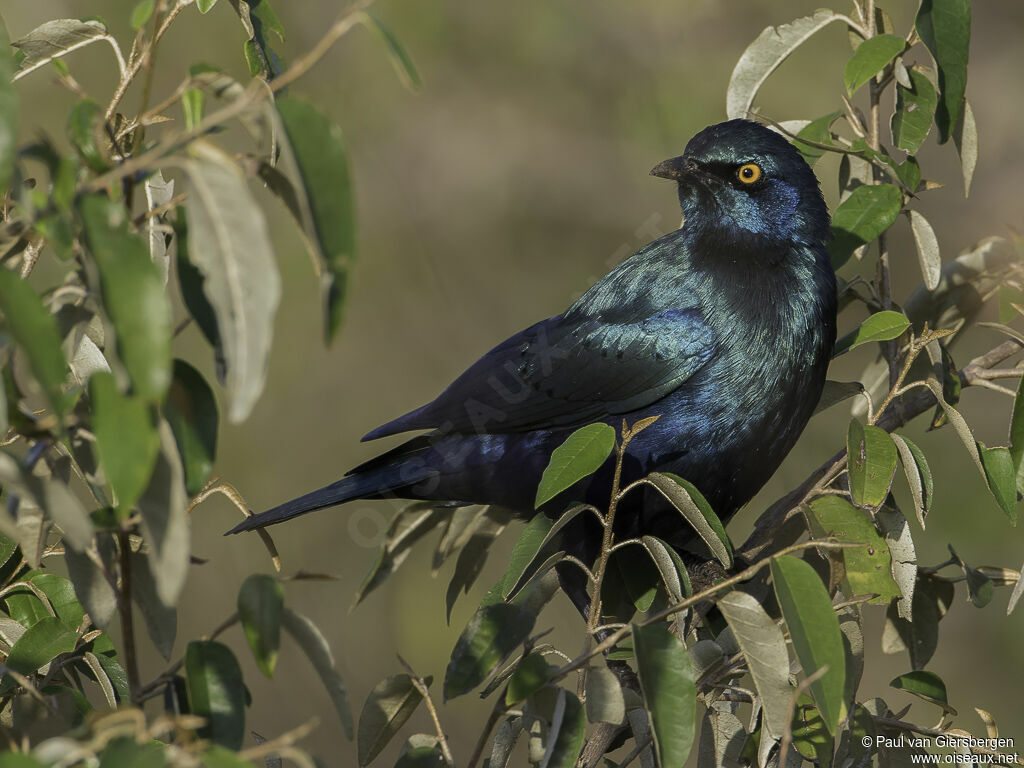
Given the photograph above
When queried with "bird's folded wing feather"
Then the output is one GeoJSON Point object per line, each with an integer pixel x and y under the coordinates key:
{"type": "Point", "coordinates": [568, 371]}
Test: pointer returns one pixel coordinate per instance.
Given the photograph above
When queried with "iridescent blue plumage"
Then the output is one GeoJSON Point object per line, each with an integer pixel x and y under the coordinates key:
{"type": "Point", "coordinates": [724, 328]}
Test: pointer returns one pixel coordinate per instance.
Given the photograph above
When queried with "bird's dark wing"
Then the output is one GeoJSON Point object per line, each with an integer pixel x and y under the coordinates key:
{"type": "Point", "coordinates": [568, 371]}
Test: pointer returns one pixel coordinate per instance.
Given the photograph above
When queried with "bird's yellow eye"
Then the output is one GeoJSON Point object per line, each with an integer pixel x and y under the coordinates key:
{"type": "Point", "coordinates": [749, 173]}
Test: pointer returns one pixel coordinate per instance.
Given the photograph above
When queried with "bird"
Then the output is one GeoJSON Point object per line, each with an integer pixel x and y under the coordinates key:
{"type": "Point", "coordinates": [723, 328]}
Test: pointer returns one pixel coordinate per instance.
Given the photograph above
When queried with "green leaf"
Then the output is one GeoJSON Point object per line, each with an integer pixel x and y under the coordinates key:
{"type": "Point", "coordinates": [811, 738]}
{"type": "Point", "coordinates": [881, 326]}
{"type": "Point", "coordinates": [322, 161]}
{"type": "Point", "coordinates": [133, 295]}
{"type": "Point", "coordinates": [944, 26]}
{"type": "Point", "coordinates": [767, 52]}
{"type": "Point", "coordinates": [868, 569]}
{"type": "Point", "coordinates": [404, 66]}
{"type": "Point", "coordinates": [814, 628]}
{"type": "Point", "coordinates": [161, 620]}
{"type": "Point", "coordinates": [836, 392]}
{"type": "Point", "coordinates": [764, 648]}
{"type": "Point", "coordinates": [126, 752]}
{"type": "Point", "coordinates": [1001, 476]}
{"type": "Point", "coordinates": [391, 702]}
{"type": "Point", "coordinates": [204, 6]}
{"type": "Point", "coordinates": [927, 685]}
{"type": "Point", "coordinates": [61, 594]}
{"type": "Point", "coordinates": [531, 673]}
{"type": "Point", "coordinates": [670, 567]}
{"type": "Point", "coordinates": [35, 331]}
{"type": "Point", "coordinates": [670, 695]}
{"type": "Point", "coordinates": [817, 131]}
{"type": "Point", "coordinates": [312, 642]}
{"type": "Point", "coordinates": [545, 549]}
{"type": "Point", "coordinates": [870, 58]}
{"type": "Point", "coordinates": [919, 475]}
{"type": "Point", "coordinates": [8, 110]}
{"type": "Point", "coordinates": [193, 100]}
{"type": "Point", "coordinates": [489, 638]}
{"type": "Point", "coordinates": [1017, 435]}
{"type": "Point", "coordinates": [562, 727]}
{"type": "Point", "coordinates": [260, 605]}
{"type": "Point", "coordinates": [218, 757]}
{"type": "Point", "coordinates": [85, 125]}
{"type": "Point", "coordinates": [18, 760]}
{"type": "Point", "coordinates": [216, 692]}
{"type": "Point", "coordinates": [582, 454]}
{"type": "Point", "coordinates": [487, 527]}
{"type": "Point", "coordinates": [127, 439]}
{"type": "Point", "coordinates": [55, 39]}
{"type": "Point", "coordinates": [229, 243]}
{"type": "Point", "coordinates": [965, 137]}
{"type": "Point", "coordinates": [860, 218]}
{"type": "Point", "coordinates": [691, 504]}
{"type": "Point", "coordinates": [41, 644]}
{"type": "Point", "coordinates": [142, 12]}
{"type": "Point", "coordinates": [526, 548]}
{"type": "Point", "coordinates": [915, 110]}
{"type": "Point", "coordinates": [191, 410]}
{"type": "Point", "coordinates": [871, 463]}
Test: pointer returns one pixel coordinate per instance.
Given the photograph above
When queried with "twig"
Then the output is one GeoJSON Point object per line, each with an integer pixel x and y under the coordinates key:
{"type": "Point", "coordinates": [282, 742]}
{"type": "Point", "coordinates": [421, 686]}
{"type": "Point", "coordinates": [478, 749]}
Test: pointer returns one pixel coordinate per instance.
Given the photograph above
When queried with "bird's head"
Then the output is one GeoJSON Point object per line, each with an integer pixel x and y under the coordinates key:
{"type": "Point", "coordinates": [744, 184]}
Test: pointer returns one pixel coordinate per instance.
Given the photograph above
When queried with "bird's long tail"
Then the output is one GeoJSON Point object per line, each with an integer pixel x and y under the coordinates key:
{"type": "Point", "coordinates": [354, 486]}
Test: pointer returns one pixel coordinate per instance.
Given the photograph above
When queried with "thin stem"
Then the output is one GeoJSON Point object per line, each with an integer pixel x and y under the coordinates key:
{"type": "Point", "coordinates": [492, 719]}
{"type": "Point", "coordinates": [124, 605]}
{"type": "Point", "coordinates": [421, 686]}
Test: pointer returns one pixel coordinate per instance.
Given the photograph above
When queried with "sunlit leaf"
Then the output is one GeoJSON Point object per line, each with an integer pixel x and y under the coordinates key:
{"type": "Point", "coordinates": [322, 161]}
{"type": "Point", "coordinates": [860, 218]}
{"type": "Point", "coordinates": [670, 696]}
{"type": "Point", "coordinates": [881, 326]}
{"type": "Point", "coordinates": [965, 137]}
{"type": "Point", "coordinates": [142, 12]}
{"type": "Point", "coordinates": [159, 193]}
{"type": "Point", "coordinates": [230, 244]}
{"type": "Point", "coordinates": [689, 502]}
{"type": "Point", "coordinates": [54, 39]}
{"type": "Point", "coordinates": [489, 637]}
{"type": "Point", "coordinates": [260, 605]}
{"type": "Point", "coordinates": [605, 702]}
{"type": "Point", "coordinates": [762, 56]}
{"type": "Point", "coordinates": [927, 249]}
{"type": "Point", "coordinates": [814, 628]}
{"type": "Point", "coordinates": [582, 454]}
{"type": "Point", "coordinates": [764, 649]}
{"type": "Point", "coordinates": [1001, 476]}
{"type": "Point", "coordinates": [870, 58]}
{"type": "Point", "coordinates": [915, 110]}
{"type": "Point", "coordinates": [40, 644]}
{"type": "Point", "coordinates": [216, 692]}
{"type": "Point", "coordinates": [944, 26]}
{"type": "Point", "coordinates": [133, 295]}
{"type": "Point", "coordinates": [871, 463]}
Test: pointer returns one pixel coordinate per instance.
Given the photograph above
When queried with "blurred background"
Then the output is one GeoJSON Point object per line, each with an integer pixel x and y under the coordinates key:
{"type": "Point", "coordinates": [490, 199]}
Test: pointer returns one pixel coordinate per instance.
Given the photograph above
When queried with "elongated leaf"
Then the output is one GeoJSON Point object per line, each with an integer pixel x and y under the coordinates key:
{"type": "Point", "coordinates": [670, 696]}
{"type": "Point", "coordinates": [670, 567]}
{"type": "Point", "coordinates": [1018, 591]}
{"type": "Point", "coordinates": [563, 727]}
{"type": "Point", "coordinates": [391, 702]}
{"type": "Point", "coordinates": [92, 588]}
{"type": "Point", "coordinates": [1017, 435]}
{"type": "Point", "coordinates": [8, 110]}
{"type": "Point", "coordinates": [544, 549]}
{"type": "Point", "coordinates": [204, 6]}
{"type": "Point", "coordinates": [836, 392]}
{"type": "Point", "coordinates": [944, 26]}
{"type": "Point", "coordinates": [229, 243]}
{"type": "Point", "coordinates": [40, 644]}
{"type": "Point", "coordinates": [1001, 477]}
{"type": "Point", "coordinates": [814, 628]}
{"type": "Point", "coordinates": [133, 296]}
{"type": "Point", "coordinates": [927, 685]}
{"type": "Point", "coordinates": [860, 218]}
{"type": "Point", "coordinates": [260, 605]}
{"type": "Point", "coordinates": [531, 674]}
{"type": "Point", "coordinates": [965, 137]}
{"type": "Point", "coordinates": [142, 12]}
{"type": "Point", "coordinates": [895, 529]}
{"type": "Point", "coordinates": [161, 620]}
{"type": "Point", "coordinates": [915, 110]}
{"type": "Point", "coordinates": [869, 568]}
{"type": "Point", "coordinates": [487, 527]}
{"type": "Point", "coordinates": [329, 204]}
{"type": "Point", "coordinates": [870, 58]}
{"type": "Point", "coordinates": [127, 439]}
{"type": "Point", "coordinates": [165, 520]}
{"type": "Point", "coordinates": [722, 737]}
{"type": "Point", "coordinates": [35, 331]}
{"type": "Point", "coordinates": [489, 638]}
{"type": "Point", "coordinates": [927, 244]}
{"type": "Point", "coordinates": [871, 463]}
{"type": "Point", "coordinates": [216, 692]}
{"type": "Point", "coordinates": [605, 702]}
{"type": "Point", "coordinates": [404, 66]}
{"type": "Point", "coordinates": [919, 475]}
{"type": "Point", "coordinates": [582, 454]}
{"type": "Point", "coordinates": [526, 548]}
{"type": "Point", "coordinates": [881, 326]}
{"type": "Point", "coordinates": [818, 132]}
{"type": "Point", "coordinates": [764, 648]}
{"type": "Point", "coordinates": [191, 410]}
{"type": "Point", "coordinates": [762, 56]}
{"type": "Point", "coordinates": [55, 39]}
{"type": "Point", "coordinates": [685, 497]}
{"type": "Point", "coordinates": [312, 642]}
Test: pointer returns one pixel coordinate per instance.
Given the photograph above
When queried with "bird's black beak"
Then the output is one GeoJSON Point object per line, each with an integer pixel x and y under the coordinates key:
{"type": "Point", "coordinates": [676, 169]}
